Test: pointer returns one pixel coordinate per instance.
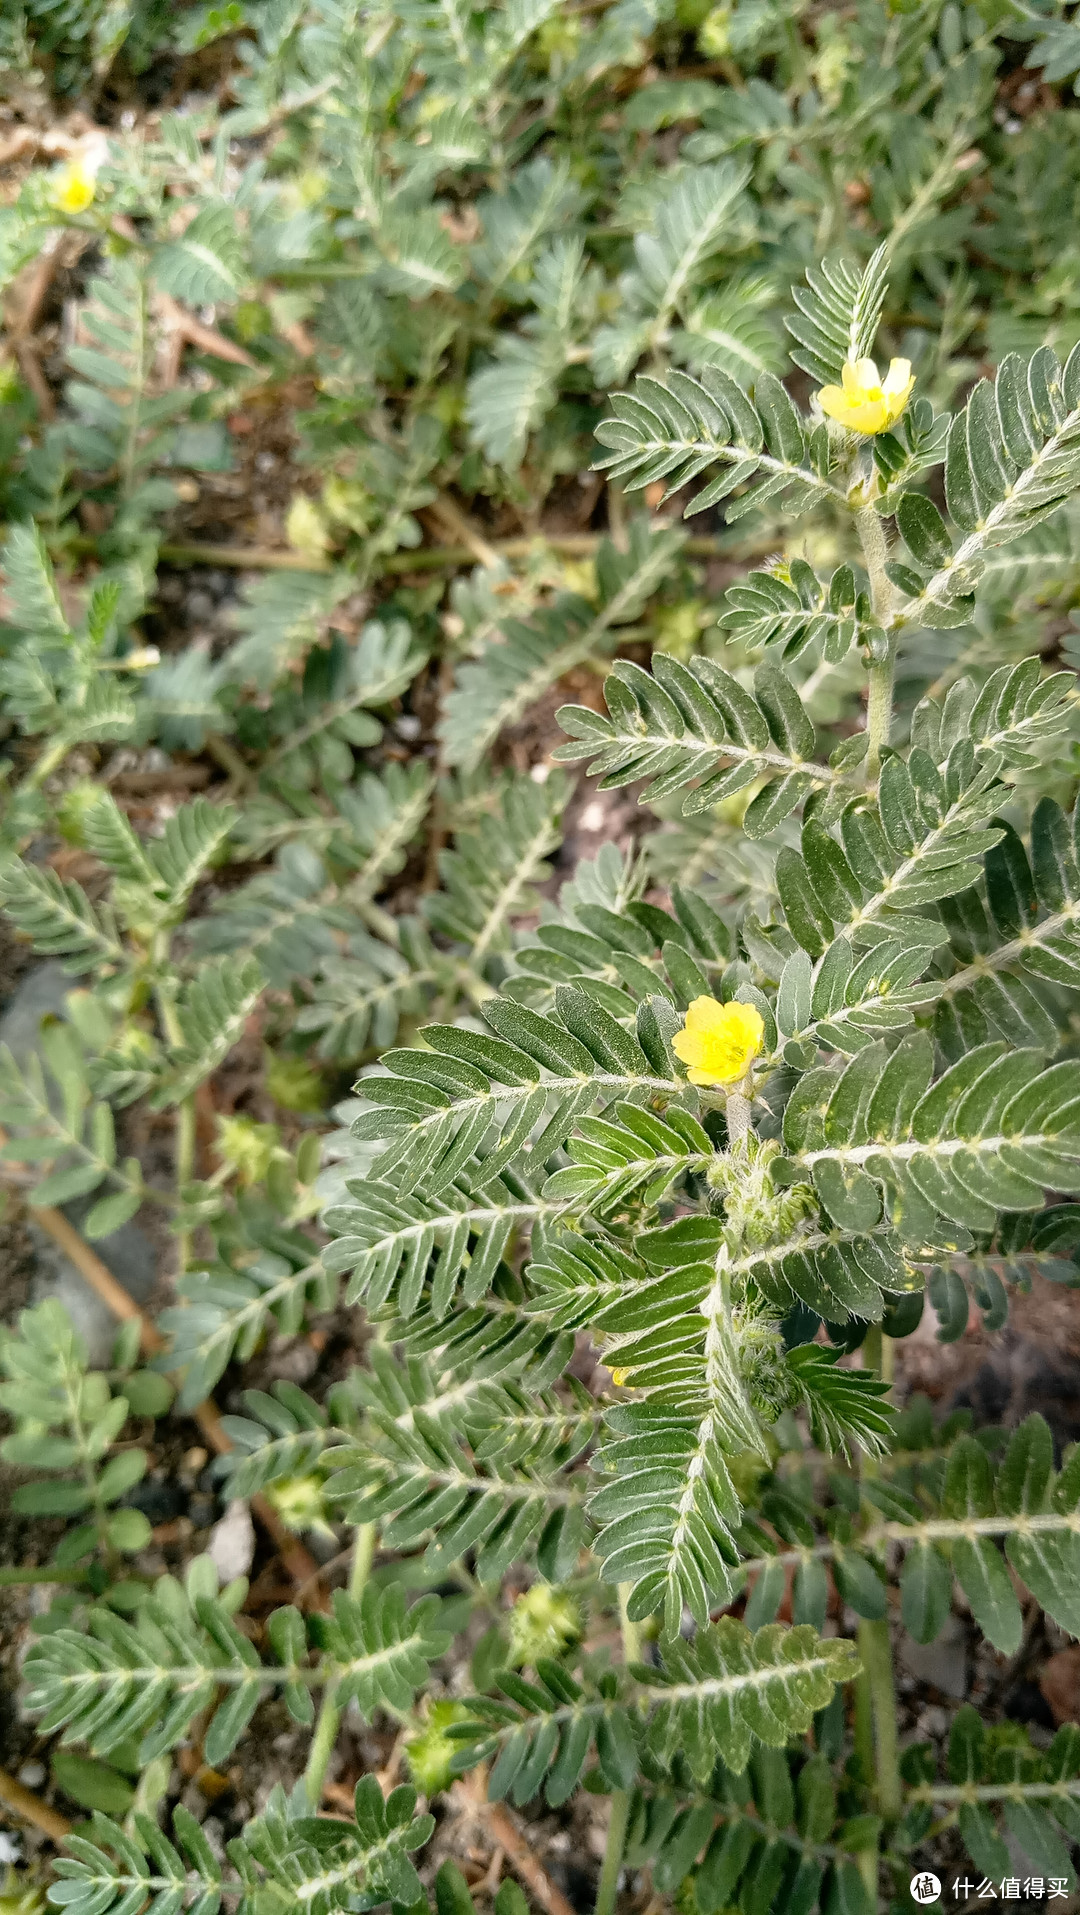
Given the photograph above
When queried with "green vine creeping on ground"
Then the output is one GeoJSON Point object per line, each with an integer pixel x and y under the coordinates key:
{"type": "Point", "coordinates": [720, 1110]}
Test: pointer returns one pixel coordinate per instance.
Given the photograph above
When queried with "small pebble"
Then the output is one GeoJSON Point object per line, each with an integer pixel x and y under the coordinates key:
{"type": "Point", "coordinates": [933, 1722]}
{"type": "Point", "coordinates": [232, 1542]}
{"type": "Point", "coordinates": [407, 726]}
{"type": "Point", "coordinates": [194, 1801]}
{"type": "Point", "coordinates": [215, 1837]}
{"type": "Point", "coordinates": [32, 1775]}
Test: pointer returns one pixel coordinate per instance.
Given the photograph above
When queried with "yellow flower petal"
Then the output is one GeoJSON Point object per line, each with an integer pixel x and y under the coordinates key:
{"type": "Point", "coordinates": [865, 402]}
{"type": "Point", "coordinates": [719, 1041]}
{"type": "Point", "coordinates": [72, 188]}
{"type": "Point", "coordinates": [899, 380]}
{"type": "Point", "coordinates": [618, 1377]}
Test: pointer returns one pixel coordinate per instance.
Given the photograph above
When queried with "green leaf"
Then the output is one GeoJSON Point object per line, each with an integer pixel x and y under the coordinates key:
{"type": "Point", "coordinates": [923, 529]}
{"type": "Point", "coordinates": [860, 1585]}
{"type": "Point", "coordinates": [212, 1012]}
{"type": "Point", "coordinates": [111, 1212]}
{"type": "Point", "coordinates": [678, 427]}
{"type": "Point", "coordinates": [695, 725]}
{"type": "Point", "coordinates": [1013, 458]}
{"type": "Point", "coordinates": [147, 1393]}
{"type": "Point", "coordinates": [925, 1592]}
{"type": "Point", "coordinates": [206, 265]}
{"type": "Point", "coordinates": [984, 1579]}
{"type": "Point", "coordinates": [121, 1473]}
{"type": "Point", "coordinates": [128, 1529]}
{"type": "Point", "coordinates": [838, 314]}
{"type": "Point", "coordinates": [32, 584]}
{"type": "Point", "coordinates": [1032, 1828]}
{"type": "Point", "coordinates": [523, 660]}
{"type": "Point", "coordinates": [51, 1499]}
{"type": "Point", "coordinates": [93, 1785]}
{"type": "Point", "coordinates": [59, 918]}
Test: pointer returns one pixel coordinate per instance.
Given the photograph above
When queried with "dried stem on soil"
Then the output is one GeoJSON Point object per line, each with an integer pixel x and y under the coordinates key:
{"type": "Point", "coordinates": [470, 1798]}
{"type": "Point", "coordinates": [430, 558]}
{"type": "Point", "coordinates": [30, 1808]}
{"type": "Point", "coordinates": [299, 1563]}
{"type": "Point", "coordinates": [186, 329]}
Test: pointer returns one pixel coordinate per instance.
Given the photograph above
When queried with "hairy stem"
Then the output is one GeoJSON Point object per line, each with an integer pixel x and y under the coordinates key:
{"type": "Point", "coordinates": [618, 1824]}
{"type": "Point", "coordinates": [619, 1821]}
{"type": "Point", "coordinates": [875, 1643]}
{"type": "Point", "coordinates": [56, 1574]}
{"type": "Point", "coordinates": [185, 1124]}
{"type": "Point", "coordinates": [329, 1719]}
{"type": "Point", "coordinates": [863, 1728]}
{"type": "Point", "coordinates": [363, 1556]}
{"type": "Point", "coordinates": [879, 710]}
{"type": "Point", "coordinates": [322, 1743]}
{"type": "Point", "coordinates": [875, 1693]}
{"type": "Point", "coordinates": [875, 1649]}
{"type": "Point", "coordinates": [630, 1631]}
{"type": "Point", "coordinates": [737, 1112]}
{"type": "Point", "coordinates": [867, 1860]}
{"type": "Point", "coordinates": [43, 768]}
{"type": "Point", "coordinates": [882, 672]}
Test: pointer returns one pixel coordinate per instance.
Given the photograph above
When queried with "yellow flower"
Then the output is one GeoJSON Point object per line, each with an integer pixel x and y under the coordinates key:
{"type": "Point", "coordinates": [719, 1041]}
{"type": "Point", "coordinates": [72, 188]}
{"type": "Point", "coordinates": [865, 402]}
{"type": "Point", "coordinates": [618, 1377]}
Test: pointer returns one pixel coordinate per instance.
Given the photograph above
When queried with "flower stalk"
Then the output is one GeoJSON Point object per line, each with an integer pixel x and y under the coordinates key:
{"type": "Point", "coordinates": [882, 671]}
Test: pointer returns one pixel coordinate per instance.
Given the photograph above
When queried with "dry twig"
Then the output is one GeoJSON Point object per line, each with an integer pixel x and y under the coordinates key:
{"type": "Point", "coordinates": [26, 354]}
{"type": "Point", "coordinates": [23, 141]}
{"type": "Point", "coordinates": [182, 327]}
{"type": "Point", "coordinates": [470, 1798]}
{"type": "Point", "coordinates": [430, 558]}
{"type": "Point", "coordinates": [300, 1565]}
{"type": "Point", "coordinates": [454, 521]}
{"type": "Point", "coordinates": [30, 1808]}
{"type": "Point", "coordinates": [31, 288]}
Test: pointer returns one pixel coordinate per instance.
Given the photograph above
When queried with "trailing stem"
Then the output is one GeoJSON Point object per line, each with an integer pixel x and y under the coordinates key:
{"type": "Point", "coordinates": [185, 1125]}
{"type": "Point", "coordinates": [875, 1651]}
{"type": "Point", "coordinates": [882, 671]}
{"type": "Point", "coordinates": [875, 1702]}
{"type": "Point", "coordinates": [9, 1578]}
{"type": "Point", "coordinates": [329, 1718]}
{"type": "Point", "coordinates": [879, 709]}
{"type": "Point", "coordinates": [619, 1821]}
{"type": "Point", "coordinates": [876, 1734]}
{"type": "Point", "coordinates": [737, 1112]}
{"type": "Point", "coordinates": [363, 1556]}
{"type": "Point", "coordinates": [322, 1743]}
{"type": "Point", "coordinates": [618, 1824]}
